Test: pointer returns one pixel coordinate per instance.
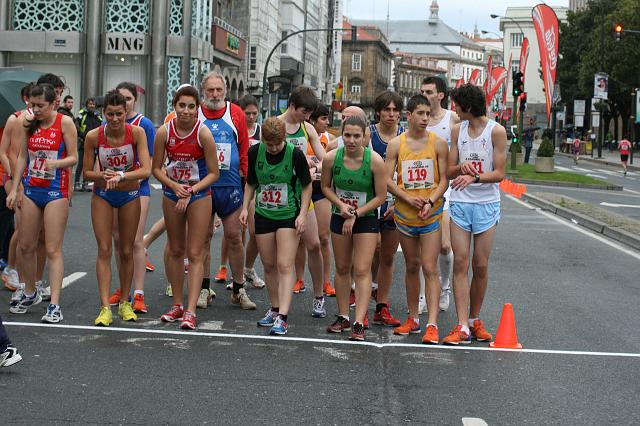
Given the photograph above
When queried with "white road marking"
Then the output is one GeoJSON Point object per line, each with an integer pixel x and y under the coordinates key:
{"type": "Point", "coordinates": [593, 175]}
{"type": "Point", "coordinates": [473, 421]}
{"type": "Point", "coordinates": [67, 281]}
{"type": "Point", "coordinates": [321, 341]}
{"type": "Point", "coordinates": [581, 169]}
{"type": "Point", "coordinates": [631, 191]}
{"type": "Point", "coordinates": [156, 186]}
{"type": "Point", "coordinates": [563, 169]}
{"type": "Point", "coordinates": [632, 206]}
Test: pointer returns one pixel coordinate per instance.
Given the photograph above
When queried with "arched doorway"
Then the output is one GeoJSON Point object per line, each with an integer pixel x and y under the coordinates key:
{"type": "Point", "coordinates": [234, 90]}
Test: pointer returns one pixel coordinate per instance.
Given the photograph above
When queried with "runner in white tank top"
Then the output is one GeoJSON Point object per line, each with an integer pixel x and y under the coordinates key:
{"type": "Point", "coordinates": [476, 165]}
{"type": "Point", "coordinates": [440, 122]}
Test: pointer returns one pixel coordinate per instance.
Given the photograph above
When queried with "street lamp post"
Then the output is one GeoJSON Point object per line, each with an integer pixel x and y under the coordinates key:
{"type": "Point", "coordinates": [266, 64]}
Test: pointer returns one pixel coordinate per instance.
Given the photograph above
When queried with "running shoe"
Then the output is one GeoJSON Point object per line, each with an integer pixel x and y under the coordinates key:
{"type": "Point", "coordinates": [53, 315]}
{"type": "Point", "coordinates": [410, 326]}
{"type": "Point", "coordinates": [365, 323]}
{"type": "Point", "coordinates": [298, 287]}
{"type": "Point", "coordinates": [374, 294]}
{"type": "Point", "coordinates": [138, 304]}
{"type": "Point", "coordinates": [444, 299]}
{"type": "Point", "coordinates": [204, 299]}
{"type": "Point", "coordinates": [175, 314]}
{"type": "Point", "coordinates": [431, 335]}
{"type": "Point", "coordinates": [126, 312]}
{"type": "Point", "coordinates": [384, 317]}
{"type": "Point", "coordinates": [105, 317]}
{"type": "Point", "coordinates": [114, 299]}
{"type": "Point", "coordinates": [169, 291]}
{"type": "Point", "coordinates": [279, 327]}
{"type": "Point", "coordinates": [221, 275]}
{"type": "Point", "coordinates": [253, 278]}
{"type": "Point", "coordinates": [10, 279]}
{"type": "Point", "coordinates": [352, 299]}
{"type": "Point", "coordinates": [457, 337]}
{"type": "Point", "coordinates": [339, 325]}
{"type": "Point", "coordinates": [44, 290]}
{"type": "Point", "coordinates": [189, 322]}
{"type": "Point", "coordinates": [148, 265]}
{"type": "Point", "coordinates": [18, 293]}
{"type": "Point", "coordinates": [9, 356]}
{"type": "Point", "coordinates": [3, 264]}
{"type": "Point", "coordinates": [318, 308]}
{"type": "Point", "coordinates": [357, 332]}
{"type": "Point", "coordinates": [422, 305]}
{"type": "Point", "coordinates": [269, 319]}
{"type": "Point", "coordinates": [212, 294]}
{"type": "Point", "coordinates": [479, 333]}
{"type": "Point", "coordinates": [328, 290]}
{"type": "Point", "coordinates": [22, 304]}
{"type": "Point", "coordinates": [242, 299]}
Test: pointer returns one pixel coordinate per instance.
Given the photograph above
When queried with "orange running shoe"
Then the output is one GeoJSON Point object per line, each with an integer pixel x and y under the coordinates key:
{"type": "Point", "coordinates": [328, 290]}
{"type": "Point", "coordinates": [410, 326]}
{"type": "Point", "coordinates": [149, 266]}
{"type": "Point", "coordinates": [352, 299]}
{"type": "Point", "coordinates": [365, 323]}
{"type": "Point", "coordinates": [384, 317]}
{"type": "Point", "coordinates": [298, 287]}
{"type": "Point", "coordinates": [221, 275]}
{"type": "Point", "coordinates": [457, 337]}
{"type": "Point", "coordinates": [114, 299]}
{"type": "Point", "coordinates": [138, 304]}
{"type": "Point", "coordinates": [431, 335]}
{"type": "Point", "coordinates": [479, 333]}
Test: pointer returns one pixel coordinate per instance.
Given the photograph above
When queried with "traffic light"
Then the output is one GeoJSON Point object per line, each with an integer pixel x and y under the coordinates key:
{"type": "Point", "coordinates": [618, 31]}
{"type": "Point", "coordinates": [518, 84]}
{"type": "Point", "coordinates": [523, 101]}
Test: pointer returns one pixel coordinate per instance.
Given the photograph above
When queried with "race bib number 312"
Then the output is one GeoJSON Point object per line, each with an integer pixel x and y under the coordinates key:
{"type": "Point", "coordinates": [417, 174]}
{"type": "Point", "coordinates": [273, 196]}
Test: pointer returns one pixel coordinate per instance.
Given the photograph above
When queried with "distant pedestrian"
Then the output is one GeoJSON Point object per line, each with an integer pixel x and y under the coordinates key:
{"type": "Point", "coordinates": [88, 119]}
{"type": "Point", "coordinates": [528, 144]}
{"type": "Point", "coordinates": [67, 106]}
{"type": "Point", "coordinates": [625, 147]}
{"type": "Point", "coordinates": [576, 150]}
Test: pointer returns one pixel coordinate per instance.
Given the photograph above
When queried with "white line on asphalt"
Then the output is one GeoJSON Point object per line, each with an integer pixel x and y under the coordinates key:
{"type": "Point", "coordinates": [581, 169]}
{"type": "Point", "coordinates": [632, 206]}
{"type": "Point", "coordinates": [593, 175]}
{"type": "Point", "coordinates": [473, 421]}
{"type": "Point", "coordinates": [631, 191]}
{"type": "Point", "coordinates": [522, 203]}
{"type": "Point", "coordinates": [72, 278]}
{"type": "Point", "coordinates": [156, 186]}
{"type": "Point", "coordinates": [313, 340]}
{"type": "Point", "coordinates": [563, 169]}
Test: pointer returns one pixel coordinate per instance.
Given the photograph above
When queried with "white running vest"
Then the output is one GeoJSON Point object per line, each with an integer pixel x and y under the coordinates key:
{"type": "Point", "coordinates": [443, 127]}
{"type": "Point", "coordinates": [480, 152]}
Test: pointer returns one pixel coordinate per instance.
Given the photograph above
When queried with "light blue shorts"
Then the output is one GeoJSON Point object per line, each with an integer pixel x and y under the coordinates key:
{"type": "Point", "coordinates": [475, 218]}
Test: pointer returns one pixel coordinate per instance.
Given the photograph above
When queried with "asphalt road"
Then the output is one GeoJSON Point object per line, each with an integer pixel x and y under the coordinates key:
{"type": "Point", "coordinates": [575, 299]}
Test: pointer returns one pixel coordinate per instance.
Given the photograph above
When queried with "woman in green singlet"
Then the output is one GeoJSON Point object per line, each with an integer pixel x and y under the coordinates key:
{"type": "Point", "coordinates": [354, 180]}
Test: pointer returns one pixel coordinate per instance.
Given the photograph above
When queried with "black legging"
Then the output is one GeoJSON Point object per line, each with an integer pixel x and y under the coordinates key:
{"type": "Point", "coordinates": [80, 162]}
{"type": "Point", "coordinates": [6, 225]}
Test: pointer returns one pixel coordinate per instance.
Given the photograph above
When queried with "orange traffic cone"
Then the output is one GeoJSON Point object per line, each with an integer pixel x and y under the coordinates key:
{"type": "Point", "coordinates": [519, 190]}
{"type": "Point", "coordinates": [506, 337]}
{"type": "Point", "coordinates": [510, 186]}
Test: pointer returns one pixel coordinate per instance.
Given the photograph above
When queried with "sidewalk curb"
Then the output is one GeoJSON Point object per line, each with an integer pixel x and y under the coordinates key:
{"type": "Point", "coordinates": [597, 161]}
{"type": "Point", "coordinates": [621, 236]}
{"type": "Point", "coordinates": [566, 184]}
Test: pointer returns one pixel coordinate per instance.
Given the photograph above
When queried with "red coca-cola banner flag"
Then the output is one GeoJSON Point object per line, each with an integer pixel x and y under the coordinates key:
{"type": "Point", "coordinates": [524, 55]}
{"type": "Point", "coordinates": [496, 78]}
{"type": "Point", "coordinates": [506, 86]}
{"type": "Point", "coordinates": [473, 78]}
{"type": "Point", "coordinates": [487, 80]}
{"type": "Point", "coordinates": [545, 23]}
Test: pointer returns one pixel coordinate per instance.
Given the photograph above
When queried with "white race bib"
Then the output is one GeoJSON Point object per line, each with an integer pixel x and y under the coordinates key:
{"type": "Point", "coordinates": [37, 167]}
{"type": "Point", "coordinates": [417, 174]}
{"type": "Point", "coordinates": [274, 196]}
{"type": "Point", "coordinates": [116, 158]}
{"type": "Point", "coordinates": [183, 171]}
{"type": "Point", "coordinates": [300, 143]}
{"type": "Point", "coordinates": [355, 199]}
{"type": "Point", "coordinates": [224, 156]}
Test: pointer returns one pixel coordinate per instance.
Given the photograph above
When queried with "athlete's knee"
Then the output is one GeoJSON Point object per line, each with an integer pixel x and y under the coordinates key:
{"type": "Point", "coordinates": [361, 272]}
{"type": "Point", "coordinates": [194, 254]}
{"type": "Point", "coordinates": [176, 251]}
{"type": "Point", "coordinates": [446, 248]}
{"type": "Point", "coordinates": [313, 246]}
{"type": "Point", "coordinates": [125, 252]}
{"type": "Point", "coordinates": [53, 252]}
{"type": "Point", "coordinates": [27, 248]}
{"type": "Point", "coordinates": [430, 271]}
{"type": "Point", "coordinates": [343, 269]}
{"type": "Point", "coordinates": [285, 267]}
{"type": "Point", "coordinates": [480, 268]}
{"type": "Point", "coordinates": [324, 239]}
{"type": "Point", "coordinates": [412, 265]}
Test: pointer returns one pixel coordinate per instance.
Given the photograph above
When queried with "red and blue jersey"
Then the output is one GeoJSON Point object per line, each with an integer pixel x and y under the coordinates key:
{"type": "Point", "coordinates": [42, 145]}
{"type": "Point", "coordinates": [118, 158]}
{"type": "Point", "coordinates": [186, 161]}
{"type": "Point", "coordinates": [229, 129]}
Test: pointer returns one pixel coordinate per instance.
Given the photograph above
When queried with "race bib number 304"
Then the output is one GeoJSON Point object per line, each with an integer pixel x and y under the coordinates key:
{"type": "Point", "coordinates": [355, 199]}
{"type": "Point", "coordinates": [417, 174]}
{"type": "Point", "coordinates": [37, 164]}
{"type": "Point", "coordinates": [117, 159]}
{"type": "Point", "coordinates": [224, 156]}
{"type": "Point", "coordinates": [273, 196]}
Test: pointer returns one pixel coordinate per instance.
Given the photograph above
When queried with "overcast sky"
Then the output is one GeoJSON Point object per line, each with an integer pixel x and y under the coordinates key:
{"type": "Point", "coordinates": [459, 14]}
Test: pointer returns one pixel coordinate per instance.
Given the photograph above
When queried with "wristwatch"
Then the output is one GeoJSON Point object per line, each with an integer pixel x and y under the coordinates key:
{"type": "Point", "coordinates": [430, 202]}
{"type": "Point", "coordinates": [476, 178]}
{"type": "Point", "coordinates": [190, 189]}
{"type": "Point", "coordinates": [121, 174]}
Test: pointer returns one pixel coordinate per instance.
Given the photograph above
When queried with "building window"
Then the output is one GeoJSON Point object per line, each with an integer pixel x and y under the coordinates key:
{"type": "Point", "coordinates": [283, 49]}
{"type": "Point", "coordinates": [48, 15]}
{"type": "Point", "coordinates": [515, 66]}
{"type": "Point", "coordinates": [252, 58]}
{"type": "Point", "coordinates": [356, 62]}
{"type": "Point", "coordinates": [516, 39]}
{"type": "Point", "coordinates": [131, 16]}
{"type": "Point", "coordinates": [356, 88]}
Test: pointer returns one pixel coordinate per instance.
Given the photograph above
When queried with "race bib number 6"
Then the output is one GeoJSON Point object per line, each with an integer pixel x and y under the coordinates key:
{"type": "Point", "coordinates": [417, 174]}
{"type": "Point", "coordinates": [37, 164]}
{"type": "Point", "coordinates": [273, 196]}
{"type": "Point", "coordinates": [224, 156]}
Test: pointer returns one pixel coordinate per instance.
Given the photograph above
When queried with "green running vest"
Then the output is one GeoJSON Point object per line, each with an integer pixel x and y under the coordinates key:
{"type": "Point", "coordinates": [353, 187]}
{"type": "Point", "coordinates": [276, 199]}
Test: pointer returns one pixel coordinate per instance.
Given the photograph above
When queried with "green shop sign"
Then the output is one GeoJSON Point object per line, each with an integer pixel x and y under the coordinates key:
{"type": "Point", "coordinates": [233, 43]}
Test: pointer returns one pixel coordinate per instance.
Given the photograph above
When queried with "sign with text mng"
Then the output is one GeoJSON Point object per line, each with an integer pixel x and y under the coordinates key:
{"type": "Point", "coordinates": [228, 43]}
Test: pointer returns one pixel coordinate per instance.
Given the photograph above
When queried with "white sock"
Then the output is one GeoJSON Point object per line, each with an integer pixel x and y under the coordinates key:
{"type": "Point", "coordinates": [445, 262]}
{"type": "Point", "coordinates": [472, 322]}
{"type": "Point", "coordinates": [141, 292]}
{"type": "Point", "coordinates": [374, 285]}
{"type": "Point", "coordinates": [466, 329]}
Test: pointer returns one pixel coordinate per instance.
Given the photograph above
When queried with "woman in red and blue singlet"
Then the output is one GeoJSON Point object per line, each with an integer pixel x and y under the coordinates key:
{"type": "Point", "coordinates": [49, 150]}
{"type": "Point", "coordinates": [191, 170]}
{"type": "Point", "coordinates": [123, 160]}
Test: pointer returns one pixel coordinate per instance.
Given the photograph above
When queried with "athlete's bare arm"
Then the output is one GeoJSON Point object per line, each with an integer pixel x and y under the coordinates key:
{"type": "Point", "coordinates": [380, 181]}
{"type": "Point", "coordinates": [5, 143]}
{"type": "Point", "coordinates": [144, 171]}
{"type": "Point", "coordinates": [499, 138]}
{"type": "Point", "coordinates": [442, 151]}
{"type": "Point", "coordinates": [314, 140]}
{"type": "Point", "coordinates": [89, 172]}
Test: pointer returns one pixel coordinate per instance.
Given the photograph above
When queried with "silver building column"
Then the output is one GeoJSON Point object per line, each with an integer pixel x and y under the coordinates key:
{"type": "Point", "coordinates": [4, 26]}
{"type": "Point", "coordinates": [185, 68]}
{"type": "Point", "coordinates": [92, 78]}
{"type": "Point", "coordinates": [158, 64]}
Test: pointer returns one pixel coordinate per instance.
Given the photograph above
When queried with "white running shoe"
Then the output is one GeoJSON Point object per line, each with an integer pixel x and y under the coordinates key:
{"type": "Point", "coordinates": [43, 289]}
{"type": "Point", "coordinates": [10, 278]}
{"type": "Point", "coordinates": [444, 299]}
{"type": "Point", "coordinates": [204, 299]}
{"type": "Point", "coordinates": [253, 278]}
{"type": "Point", "coordinates": [422, 305]}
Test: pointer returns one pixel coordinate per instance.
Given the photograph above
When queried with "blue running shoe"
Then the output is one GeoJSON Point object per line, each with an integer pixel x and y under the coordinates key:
{"type": "Point", "coordinates": [279, 327]}
{"type": "Point", "coordinates": [53, 315]}
{"type": "Point", "coordinates": [318, 308]}
{"type": "Point", "coordinates": [268, 319]}
{"type": "Point", "coordinates": [3, 264]}
{"type": "Point", "coordinates": [21, 305]}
